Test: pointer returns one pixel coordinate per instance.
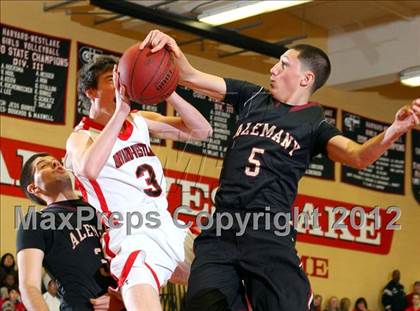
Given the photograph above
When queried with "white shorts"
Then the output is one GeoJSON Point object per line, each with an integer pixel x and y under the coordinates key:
{"type": "Point", "coordinates": [148, 256]}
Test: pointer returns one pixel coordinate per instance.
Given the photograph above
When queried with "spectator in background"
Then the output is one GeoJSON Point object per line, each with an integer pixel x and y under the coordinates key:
{"type": "Point", "coordinates": [50, 297]}
{"type": "Point", "coordinates": [361, 305]}
{"type": "Point", "coordinates": [9, 282]}
{"type": "Point", "coordinates": [416, 290]}
{"type": "Point", "coordinates": [415, 301]}
{"type": "Point", "coordinates": [345, 304]}
{"type": "Point", "coordinates": [13, 303]}
{"type": "Point", "coordinates": [332, 304]}
{"type": "Point", "coordinates": [393, 297]}
{"type": "Point", "coordinates": [316, 303]}
{"type": "Point", "coordinates": [7, 266]}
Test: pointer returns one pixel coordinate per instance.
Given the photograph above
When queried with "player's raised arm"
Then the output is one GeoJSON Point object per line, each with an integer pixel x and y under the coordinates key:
{"type": "Point", "coordinates": [199, 81]}
{"type": "Point", "coordinates": [88, 157]}
{"type": "Point", "coordinates": [359, 156]}
{"type": "Point", "coordinates": [190, 125]}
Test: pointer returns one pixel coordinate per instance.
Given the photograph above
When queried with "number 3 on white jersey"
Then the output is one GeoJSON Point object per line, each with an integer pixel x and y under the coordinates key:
{"type": "Point", "coordinates": [253, 169]}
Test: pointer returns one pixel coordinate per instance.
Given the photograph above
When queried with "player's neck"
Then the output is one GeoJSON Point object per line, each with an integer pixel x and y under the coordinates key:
{"type": "Point", "coordinates": [64, 195]}
{"type": "Point", "coordinates": [298, 99]}
{"type": "Point", "coordinates": [101, 115]}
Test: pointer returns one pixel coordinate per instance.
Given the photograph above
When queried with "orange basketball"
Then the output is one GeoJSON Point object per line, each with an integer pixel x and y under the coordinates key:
{"type": "Point", "coordinates": [149, 78]}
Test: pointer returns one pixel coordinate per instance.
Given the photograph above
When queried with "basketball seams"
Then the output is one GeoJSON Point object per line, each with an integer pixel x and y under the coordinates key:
{"type": "Point", "coordinates": [162, 96]}
{"type": "Point", "coordinates": [154, 74]}
{"type": "Point", "coordinates": [150, 75]}
{"type": "Point", "coordinates": [132, 72]}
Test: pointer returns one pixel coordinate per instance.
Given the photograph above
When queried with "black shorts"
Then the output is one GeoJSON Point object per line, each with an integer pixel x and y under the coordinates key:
{"type": "Point", "coordinates": [258, 269]}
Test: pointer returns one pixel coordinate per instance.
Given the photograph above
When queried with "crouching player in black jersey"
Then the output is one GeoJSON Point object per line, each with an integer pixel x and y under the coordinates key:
{"type": "Point", "coordinates": [277, 133]}
{"type": "Point", "coordinates": [62, 240]}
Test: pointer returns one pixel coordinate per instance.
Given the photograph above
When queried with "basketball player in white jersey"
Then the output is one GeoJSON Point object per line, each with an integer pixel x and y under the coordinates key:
{"type": "Point", "coordinates": [110, 155]}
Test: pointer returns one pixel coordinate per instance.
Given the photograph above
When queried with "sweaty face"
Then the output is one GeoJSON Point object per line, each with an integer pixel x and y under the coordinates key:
{"type": "Point", "coordinates": [49, 174]}
{"type": "Point", "coordinates": [286, 76]}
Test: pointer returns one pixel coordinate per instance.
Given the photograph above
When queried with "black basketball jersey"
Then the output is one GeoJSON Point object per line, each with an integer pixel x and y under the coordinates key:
{"type": "Point", "coordinates": [271, 147]}
{"type": "Point", "coordinates": [72, 250]}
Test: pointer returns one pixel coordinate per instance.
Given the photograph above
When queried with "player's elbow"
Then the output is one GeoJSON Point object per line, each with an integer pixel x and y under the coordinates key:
{"type": "Point", "coordinates": [359, 163]}
{"type": "Point", "coordinates": [203, 133]}
{"type": "Point", "coordinates": [87, 171]}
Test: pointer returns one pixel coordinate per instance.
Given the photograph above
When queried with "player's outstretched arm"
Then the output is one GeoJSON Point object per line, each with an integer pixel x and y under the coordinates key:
{"type": "Point", "coordinates": [190, 125]}
{"type": "Point", "coordinates": [199, 81]}
{"type": "Point", "coordinates": [89, 157]}
{"type": "Point", "coordinates": [359, 156]}
{"type": "Point", "coordinates": [30, 269]}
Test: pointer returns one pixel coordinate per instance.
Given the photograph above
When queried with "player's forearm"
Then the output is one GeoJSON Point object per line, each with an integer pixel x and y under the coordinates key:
{"type": "Point", "coordinates": [32, 298]}
{"type": "Point", "coordinates": [198, 127]}
{"type": "Point", "coordinates": [201, 82]}
{"type": "Point", "coordinates": [372, 149]}
{"type": "Point", "coordinates": [95, 156]}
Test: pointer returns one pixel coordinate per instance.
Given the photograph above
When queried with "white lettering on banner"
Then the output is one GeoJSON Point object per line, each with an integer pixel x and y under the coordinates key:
{"type": "Point", "coordinates": [331, 232]}
{"type": "Point", "coordinates": [302, 224]}
{"type": "Point", "coordinates": [367, 231]}
{"type": "Point", "coordinates": [4, 172]}
{"type": "Point", "coordinates": [193, 194]}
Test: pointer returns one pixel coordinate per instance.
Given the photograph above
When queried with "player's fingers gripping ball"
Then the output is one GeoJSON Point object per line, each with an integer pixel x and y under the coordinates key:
{"type": "Point", "coordinates": [149, 78]}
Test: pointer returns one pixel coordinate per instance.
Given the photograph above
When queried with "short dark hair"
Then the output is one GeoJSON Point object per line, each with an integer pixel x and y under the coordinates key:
{"type": "Point", "coordinates": [27, 177]}
{"type": "Point", "coordinates": [317, 61]}
{"type": "Point", "coordinates": [52, 281]}
{"type": "Point", "coordinates": [360, 300]}
{"type": "Point", "coordinates": [88, 75]}
{"type": "Point", "coordinates": [3, 259]}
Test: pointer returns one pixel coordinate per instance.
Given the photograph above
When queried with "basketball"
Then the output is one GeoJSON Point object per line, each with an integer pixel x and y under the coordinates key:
{"type": "Point", "coordinates": [149, 78]}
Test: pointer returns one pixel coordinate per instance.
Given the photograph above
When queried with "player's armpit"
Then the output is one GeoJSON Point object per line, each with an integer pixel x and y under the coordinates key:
{"type": "Point", "coordinates": [174, 128]}
{"type": "Point", "coordinates": [343, 150]}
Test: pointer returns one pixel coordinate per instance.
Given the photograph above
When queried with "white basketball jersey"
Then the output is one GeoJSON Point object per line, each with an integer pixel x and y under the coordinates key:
{"type": "Point", "coordinates": [132, 178]}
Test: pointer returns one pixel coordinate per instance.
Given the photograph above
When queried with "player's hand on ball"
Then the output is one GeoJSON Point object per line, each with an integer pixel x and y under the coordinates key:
{"type": "Point", "coordinates": [408, 116]}
{"type": "Point", "coordinates": [122, 103]}
{"type": "Point", "coordinates": [157, 40]}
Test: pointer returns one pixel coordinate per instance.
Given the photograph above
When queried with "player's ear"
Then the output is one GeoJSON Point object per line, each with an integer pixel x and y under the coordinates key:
{"type": "Point", "coordinates": [32, 189]}
{"type": "Point", "coordinates": [91, 93]}
{"type": "Point", "coordinates": [308, 79]}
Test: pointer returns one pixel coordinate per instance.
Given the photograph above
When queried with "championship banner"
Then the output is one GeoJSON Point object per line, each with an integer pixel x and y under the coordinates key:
{"type": "Point", "coordinates": [33, 75]}
{"type": "Point", "coordinates": [387, 173]}
{"type": "Point", "coordinates": [222, 119]}
{"type": "Point", "coordinates": [191, 199]}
